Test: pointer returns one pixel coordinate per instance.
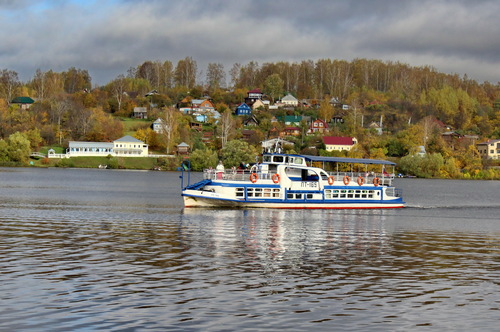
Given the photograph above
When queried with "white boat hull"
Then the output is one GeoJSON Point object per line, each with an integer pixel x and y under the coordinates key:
{"type": "Point", "coordinates": [196, 198]}
{"type": "Point", "coordinates": [287, 182]}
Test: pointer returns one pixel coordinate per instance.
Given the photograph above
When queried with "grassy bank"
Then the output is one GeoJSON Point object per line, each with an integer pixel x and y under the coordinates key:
{"type": "Point", "coordinates": [111, 162]}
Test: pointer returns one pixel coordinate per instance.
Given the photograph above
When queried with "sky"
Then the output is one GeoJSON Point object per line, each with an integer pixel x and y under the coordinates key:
{"type": "Point", "coordinates": [107, 37]}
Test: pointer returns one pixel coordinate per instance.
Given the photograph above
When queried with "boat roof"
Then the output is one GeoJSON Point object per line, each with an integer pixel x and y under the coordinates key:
{"type": "Point", "coordinates": [340, 159]}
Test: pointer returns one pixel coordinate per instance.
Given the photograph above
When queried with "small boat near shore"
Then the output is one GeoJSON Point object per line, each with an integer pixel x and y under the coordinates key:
{"type": "Point", "coordinates": [293, 181]}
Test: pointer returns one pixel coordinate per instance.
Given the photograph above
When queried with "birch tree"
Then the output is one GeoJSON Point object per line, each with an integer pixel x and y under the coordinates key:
{"type": "Point", "coordinates": [226, 125]}
{"type": "Point", "coordinates": [169, 126]}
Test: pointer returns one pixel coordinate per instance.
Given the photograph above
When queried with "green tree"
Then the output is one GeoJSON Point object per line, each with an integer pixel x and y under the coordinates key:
{"type": "Point", "coordinates": [202, 159]}
{"type": "Point", "coordinates": [236, 152]}
{"type": "Point", "coordinates": [274, 86]}
{"type": "Point", "coordinates": [18, 149]}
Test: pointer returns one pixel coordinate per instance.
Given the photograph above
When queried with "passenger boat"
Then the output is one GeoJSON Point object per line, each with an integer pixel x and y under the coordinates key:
{"type": "Point", "coordinates": [292, 181]}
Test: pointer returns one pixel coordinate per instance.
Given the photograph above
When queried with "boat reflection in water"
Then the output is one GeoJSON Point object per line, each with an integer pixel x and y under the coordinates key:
{"type": "Point", "coordinates": [291, 237]}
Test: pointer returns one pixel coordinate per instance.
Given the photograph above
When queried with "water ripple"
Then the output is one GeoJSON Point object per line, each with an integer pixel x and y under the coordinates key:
{"type": "Point", "coordinates": [86, 266]}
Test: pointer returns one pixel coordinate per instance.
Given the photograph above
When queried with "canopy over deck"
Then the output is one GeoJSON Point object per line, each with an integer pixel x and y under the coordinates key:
{"type": "Point", "coordinates": [348, 160]}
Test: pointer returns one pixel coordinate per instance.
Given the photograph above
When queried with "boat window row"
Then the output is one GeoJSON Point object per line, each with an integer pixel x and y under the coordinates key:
{"type": "Point", "coordinates": [258, 192]}
{"type": "Point", "coordinates": [351, 193]}
{"type": "Point", "coordinates": [303, 196]}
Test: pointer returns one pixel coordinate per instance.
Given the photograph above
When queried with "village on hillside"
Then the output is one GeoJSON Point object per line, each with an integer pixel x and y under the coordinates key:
{"type": "Point", "coordinates": [434, 128]}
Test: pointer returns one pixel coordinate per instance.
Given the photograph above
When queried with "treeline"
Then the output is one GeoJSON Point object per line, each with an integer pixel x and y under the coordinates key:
{"type": "Point", "coordinates": [408, 100]}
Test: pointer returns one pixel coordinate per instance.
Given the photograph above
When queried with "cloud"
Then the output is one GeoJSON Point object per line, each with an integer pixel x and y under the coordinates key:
{"type": "Point", "coordinates": [107, 37]}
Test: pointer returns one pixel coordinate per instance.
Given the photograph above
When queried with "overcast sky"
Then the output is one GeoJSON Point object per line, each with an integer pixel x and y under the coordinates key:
{"type": "Point", "coordinates": [107, 37]}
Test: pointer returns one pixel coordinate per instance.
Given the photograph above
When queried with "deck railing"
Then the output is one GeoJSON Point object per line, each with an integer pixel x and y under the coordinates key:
{"type": "Point", "coordinates": [244, 175]}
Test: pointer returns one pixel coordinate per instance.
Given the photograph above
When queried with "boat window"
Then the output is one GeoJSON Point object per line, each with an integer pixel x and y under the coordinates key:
{"type": "Point", "coordinates": [266, 158]}
{"type": "Point", "coordinates": [278, 159]}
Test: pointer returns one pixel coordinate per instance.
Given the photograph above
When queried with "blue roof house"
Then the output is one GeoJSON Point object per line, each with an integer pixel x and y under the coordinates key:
{"type": "Point", "coordinates": [243, 109]}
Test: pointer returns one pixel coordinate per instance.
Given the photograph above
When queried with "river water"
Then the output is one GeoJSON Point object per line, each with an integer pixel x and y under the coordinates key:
{"type": "Point", "coordinates": [88, 249]}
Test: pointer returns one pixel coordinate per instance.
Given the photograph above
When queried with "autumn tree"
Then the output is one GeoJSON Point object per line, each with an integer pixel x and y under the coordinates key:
{"type": "Point", "coordinates": [76, 80]}
{"type": "Point", "coordinates": [9, 82]}
{"type": "Point", "coordinates": [216, 76]}
{"type": "Point", "coordinates": [185, 72]}
{"type": "Point", "coordinates": [326, 110]}
{"type": "Point", "coordinates": [58, 110]}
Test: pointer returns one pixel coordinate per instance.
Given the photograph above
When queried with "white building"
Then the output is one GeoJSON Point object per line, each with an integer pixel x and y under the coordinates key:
{"type": "Point", "coordinates": [489, 149]}
{"type": "Point", "coordinates": [289, 100]}
{"type": "Point", "coordinates": [129, 146]}
{"type": "Point", "coordinates": [126, 146]}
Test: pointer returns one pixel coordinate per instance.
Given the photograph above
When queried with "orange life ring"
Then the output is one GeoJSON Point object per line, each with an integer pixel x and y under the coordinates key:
{"type": "Point", "coordinates": [376, 182]}
{"type": "Point", "coordinates": [254, 177]}
{"type": "Point", "coordinates": [347, 180]}
{"type": "Point", "coordinates": [361, 180]}
{"type": "Point", "coordinates": [276, 178]}
{"type": "Point", "coordinates": [331, 180]}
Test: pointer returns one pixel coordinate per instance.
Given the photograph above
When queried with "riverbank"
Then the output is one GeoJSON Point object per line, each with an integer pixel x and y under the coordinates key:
{"type": "Point", "coordinates": [146, 163]}
{"type": "Point", "coordinates": [172, 163]}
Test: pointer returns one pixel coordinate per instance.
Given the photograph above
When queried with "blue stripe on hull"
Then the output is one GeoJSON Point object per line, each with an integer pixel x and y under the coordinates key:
{"type": "Point", "coordinates": [296, 203]}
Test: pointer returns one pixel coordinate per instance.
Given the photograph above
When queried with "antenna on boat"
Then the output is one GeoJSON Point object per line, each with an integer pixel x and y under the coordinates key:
{"type": "Point", "coordinates": [277, 146]}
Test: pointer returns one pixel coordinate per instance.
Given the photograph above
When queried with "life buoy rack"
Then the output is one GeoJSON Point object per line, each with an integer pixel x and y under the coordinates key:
{"type": "Point", "coordinates": [347, 179]}
{"type": "Point", "coordinates": [376, 182]}
{"type": "Point", "coordinates": [254, 177]}
{"type": "Point", "coordinates": [276, 178]}
{"type": "Point", "coordinates": [331, 180]}
{"type": "Point", "coordinates": [361, 180]}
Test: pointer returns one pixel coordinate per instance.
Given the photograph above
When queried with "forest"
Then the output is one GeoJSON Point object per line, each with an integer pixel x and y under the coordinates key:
{"type": "Point", "coordinates": [413, 103]}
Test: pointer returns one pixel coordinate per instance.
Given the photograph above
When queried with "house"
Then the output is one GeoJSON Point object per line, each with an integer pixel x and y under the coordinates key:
{"type": "Point", "coordinates": [253, 96]}
{"type": "Point", "coordinates": [376, 126]}
{"type": "Point", "coordinates": [190, 106]}
{"type": "Point", "coordinates": [129, 146]}
{"type": "Point", "coordinates": [318, 126]}
{"type": "Point", "coordinates": [336, 143]}
{"type": "Point", "coordinates": [23, 102]}
{"type": "Point", "coordinates": [260, 104]}
{"type": "Point", "coordinates": [489, 149]}
{"type": "Point", "coordinates": [183, 149]}
{"type": "Point", "coordinates": [157, 126]}
{"type": "Point", "coordinates": [202, 105]}
{"type": "Point", "coordinates": [196, 126]}
{"type": "Point", "coordinates": [456, 141]}
{"type": "Point", "coordinates": [206, 116]}
{"type": "Point", "coordinates": [140, 113]}
{"type": "Point", "coordinates": [290, 120]}
{"type": "Point", "coordinates": [243, 109]}
{"type": "Point", "coordinates": [289, 100]}
{"type": "Point", "coordinates": [290, 131]}
{"type": "Point", "coordinates": [251, 121]}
